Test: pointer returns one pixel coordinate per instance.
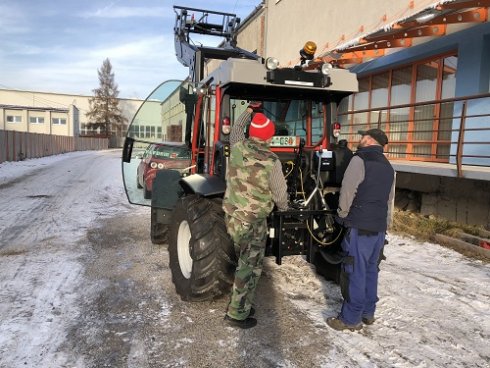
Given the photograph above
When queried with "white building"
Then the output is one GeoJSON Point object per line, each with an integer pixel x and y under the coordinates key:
{"type": "Point", "coordinates": [54, 113]}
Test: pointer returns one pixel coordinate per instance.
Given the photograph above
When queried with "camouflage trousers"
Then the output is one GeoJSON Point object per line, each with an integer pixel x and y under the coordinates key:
{"type": "Point", "coordinates": [249, 240]}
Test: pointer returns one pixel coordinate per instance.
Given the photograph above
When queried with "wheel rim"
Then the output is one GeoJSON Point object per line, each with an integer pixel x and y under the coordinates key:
{"type": "Point", "coordinates": [183, 249]}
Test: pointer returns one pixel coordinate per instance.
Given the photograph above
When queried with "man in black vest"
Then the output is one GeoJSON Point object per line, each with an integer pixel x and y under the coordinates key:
{"type": "Point", "coordinates": [367, 190]}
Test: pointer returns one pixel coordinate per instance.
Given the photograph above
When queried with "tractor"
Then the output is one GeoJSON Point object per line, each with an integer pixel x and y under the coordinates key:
{"type": "Point", "coordinates": [198, 113]}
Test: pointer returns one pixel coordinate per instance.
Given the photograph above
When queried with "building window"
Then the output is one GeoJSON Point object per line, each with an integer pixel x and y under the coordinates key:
{"type": "Point", "coordinates": [361, 104]}
{"type": "Point", "coordinates": [36, 120]}
{"type": "Point", "coordinates": [399, 117]}
{"type": "Point", "coordinates": [421, 127]}
{"type": "Point", "coordinates": [449, 66]}
{"type": "Point", "coordinates": [379, 97]}
{"type": "Point", "coordinates": [58, 121]}
{"type": "Point", "coordinates": [409, 104]}
{"type": "Point", "coordinates": [14, 119]}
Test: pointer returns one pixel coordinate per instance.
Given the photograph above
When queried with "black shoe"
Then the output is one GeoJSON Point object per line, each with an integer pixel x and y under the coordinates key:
{"type": "Point", "coordinates": [252, 312]}
{"type": "Point", "coordinates": [368, 320]}
{"type": "Point", "coordinates": [248, 322]}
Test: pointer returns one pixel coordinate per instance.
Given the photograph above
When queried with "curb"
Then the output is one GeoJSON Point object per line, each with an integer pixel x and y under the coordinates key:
{"type": "Point", "coordinates": [462, 246]}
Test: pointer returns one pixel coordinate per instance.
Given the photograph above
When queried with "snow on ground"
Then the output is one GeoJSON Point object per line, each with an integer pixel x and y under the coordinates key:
{"type": "Point", "coordinates": [46, 207]}
{"type": "Point", "coordinates": [434, 308]}
{"type": "Point", "coordinates": [11, 170]}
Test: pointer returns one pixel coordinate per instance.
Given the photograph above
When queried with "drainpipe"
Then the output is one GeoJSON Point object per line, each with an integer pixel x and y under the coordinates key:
{"type": "Point", "coordinates": [459, 151]}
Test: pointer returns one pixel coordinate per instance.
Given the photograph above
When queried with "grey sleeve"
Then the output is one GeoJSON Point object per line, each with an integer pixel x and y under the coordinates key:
{"type": "Point", "coordinates": [279, 187]}
{"type": "Point", "coordinates": [354, 175]}
{"type": "Point", "coordinates": [391, 202]}
{"type": "Point", "coordinates": [237, 133]}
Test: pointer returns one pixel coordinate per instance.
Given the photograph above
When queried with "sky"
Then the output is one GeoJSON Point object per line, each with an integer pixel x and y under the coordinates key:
{"type": "Point", "coordinates": [58, 45]}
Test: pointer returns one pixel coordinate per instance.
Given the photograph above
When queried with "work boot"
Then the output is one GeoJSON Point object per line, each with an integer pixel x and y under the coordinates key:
{"type": "Point", "coordinates": [337, 324]}
{"type": "Point", "coordinates": [368, 320]}
{"type": "Point", "coordinates": [248, 322]}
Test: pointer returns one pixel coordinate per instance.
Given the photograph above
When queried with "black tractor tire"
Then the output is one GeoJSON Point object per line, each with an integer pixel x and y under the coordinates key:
{"type": "Point", "coordinates": [202, 256]}
{"type": "Point", "coordinates": [138, 185]}
{"type": "Point", "coordinates": [158, 231]}
{"type": "Point", "coordinates": [327, 263]}
{"type": "Point", "coordinates": [327, 258]}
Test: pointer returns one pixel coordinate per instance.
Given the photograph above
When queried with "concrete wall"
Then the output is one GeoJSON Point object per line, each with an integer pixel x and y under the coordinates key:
{"type": "Point", "coordinates": [290, 23]}
{"type": "Point", "coordinates": [282, 27]}
{"type": "Point", "coordinates": [252, 36]}
{"type": "Point", "coordinates": [456, 199]}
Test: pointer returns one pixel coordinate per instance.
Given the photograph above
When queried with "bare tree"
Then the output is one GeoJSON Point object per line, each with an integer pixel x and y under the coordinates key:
{"type": "Point", "coordinates": [105, 114]}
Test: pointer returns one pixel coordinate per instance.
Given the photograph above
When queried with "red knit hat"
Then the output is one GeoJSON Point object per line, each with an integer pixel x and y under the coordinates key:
{"type": "Point", "coordinates": [261, 127]}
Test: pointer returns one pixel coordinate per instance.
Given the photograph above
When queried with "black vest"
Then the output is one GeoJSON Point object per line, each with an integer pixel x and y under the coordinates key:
{"type": "Point", "coordinates": [369, 209]}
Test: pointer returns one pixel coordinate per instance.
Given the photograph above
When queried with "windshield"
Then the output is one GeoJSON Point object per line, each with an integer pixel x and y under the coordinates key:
{"type": "Point", "coordinates": [290, 116]}
{"type": "Point", "coordinates": [166, 151]}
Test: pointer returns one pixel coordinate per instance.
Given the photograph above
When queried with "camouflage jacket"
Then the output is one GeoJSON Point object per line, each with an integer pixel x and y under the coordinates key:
{"type": "Point", "coordinates": [248, 194]}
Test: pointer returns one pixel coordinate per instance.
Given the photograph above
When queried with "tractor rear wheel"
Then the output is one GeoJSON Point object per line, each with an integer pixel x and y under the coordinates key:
{"type": "Point", "coordinates": [327, 262]}
{"type": "Point", "coordinates": [202, 256]}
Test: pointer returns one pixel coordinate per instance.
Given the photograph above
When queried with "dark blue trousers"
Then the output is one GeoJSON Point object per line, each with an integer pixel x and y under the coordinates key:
{"type": "Point", "coordinates": [359, 277]}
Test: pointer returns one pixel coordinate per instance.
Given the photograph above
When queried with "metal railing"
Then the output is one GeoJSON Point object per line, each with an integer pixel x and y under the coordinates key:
{"type": "Point", "coordinates": [454, 130]}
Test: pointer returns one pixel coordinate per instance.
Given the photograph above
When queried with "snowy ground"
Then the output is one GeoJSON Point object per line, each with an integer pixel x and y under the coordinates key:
{"type": "Point", "coordinates": [80, 286]}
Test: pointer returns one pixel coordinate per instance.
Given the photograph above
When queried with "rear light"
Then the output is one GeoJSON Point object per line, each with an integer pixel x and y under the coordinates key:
{"type": "Point", "coordinates": [226, 125]}
{"type": "Point", "coordinates": [161, 166]}
{"type": "Point", "coordinates": [153, 165]}
{"type": "Point", "coordinates": [336, 129]}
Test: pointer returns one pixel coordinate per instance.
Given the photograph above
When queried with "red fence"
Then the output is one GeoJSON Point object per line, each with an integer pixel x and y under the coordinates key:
{"type": "Point", "coordinates": [17, 146]}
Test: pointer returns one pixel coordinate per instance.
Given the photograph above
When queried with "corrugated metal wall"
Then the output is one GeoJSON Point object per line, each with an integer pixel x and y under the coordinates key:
{"type": "Point", "coordinates": [17, 146]}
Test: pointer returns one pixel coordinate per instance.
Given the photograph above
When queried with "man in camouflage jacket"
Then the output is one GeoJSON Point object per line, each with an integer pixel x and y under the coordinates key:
{"type": "Point", "coordinates": [255, 183]}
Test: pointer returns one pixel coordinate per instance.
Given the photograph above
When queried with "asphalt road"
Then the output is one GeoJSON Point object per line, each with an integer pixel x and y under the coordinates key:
{"type": "Point", "coordinates": [81, 285]}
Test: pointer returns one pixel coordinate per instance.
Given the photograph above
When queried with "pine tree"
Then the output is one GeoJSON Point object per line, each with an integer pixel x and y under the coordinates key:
{"type": "Point", "coordinates": [105, 114]}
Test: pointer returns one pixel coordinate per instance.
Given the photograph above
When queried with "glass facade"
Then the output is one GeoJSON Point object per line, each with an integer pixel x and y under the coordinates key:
{"type": "Point", "coordinates": [408, 104]}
